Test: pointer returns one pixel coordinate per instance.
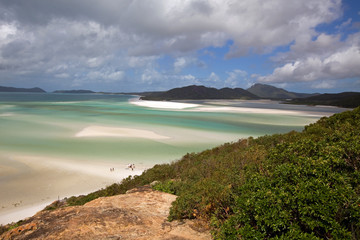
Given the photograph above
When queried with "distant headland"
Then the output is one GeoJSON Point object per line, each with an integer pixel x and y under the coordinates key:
{"type": "Point", "coordinates": [13, 89]}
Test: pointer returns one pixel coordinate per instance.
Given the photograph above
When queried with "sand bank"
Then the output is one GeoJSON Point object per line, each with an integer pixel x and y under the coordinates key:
{"type": "Point", "coordinates": [101, 131]}
{"type": "Point", "coordinates": [162, 104]}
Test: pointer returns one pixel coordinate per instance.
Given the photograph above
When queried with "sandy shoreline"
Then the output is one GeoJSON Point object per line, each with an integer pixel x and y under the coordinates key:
{"type": "Point", "coordinates": [162, 104]}
{"type": "Point", "coordinates": [51, 179]}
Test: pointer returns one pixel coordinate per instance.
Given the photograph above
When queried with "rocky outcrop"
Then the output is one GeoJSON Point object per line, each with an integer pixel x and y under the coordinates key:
{"type": "Point", "coordinates": [139, 214]}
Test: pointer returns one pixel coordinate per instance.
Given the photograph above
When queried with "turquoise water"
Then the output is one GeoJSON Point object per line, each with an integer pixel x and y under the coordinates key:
{"type": "Point", "coordinates": [46, 125]}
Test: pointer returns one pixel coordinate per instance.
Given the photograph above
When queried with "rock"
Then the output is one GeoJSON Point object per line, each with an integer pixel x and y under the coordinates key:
{"type": "Point", "coordinates": [154, 183]}
{"type": "Point", "coordinates": [139, 214]}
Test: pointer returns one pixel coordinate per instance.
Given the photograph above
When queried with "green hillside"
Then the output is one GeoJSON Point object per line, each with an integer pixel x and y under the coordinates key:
{"type": "Point", "coordinates": [284, 186]}
{"type": "Point", "coordinates": [271, 92]}
{"type": "Point", "coordinates": [12, 89]}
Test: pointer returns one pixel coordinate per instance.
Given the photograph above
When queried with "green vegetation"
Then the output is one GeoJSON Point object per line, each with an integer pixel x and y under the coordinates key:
{"type": "Point", "coordinates": [271, 92]}
{"type": "Point", "coordinates": [11, 226]}
{"type": "Point", "coordinates": [12, 89]}
{"type": "Point", "coordinates": [284, 186]}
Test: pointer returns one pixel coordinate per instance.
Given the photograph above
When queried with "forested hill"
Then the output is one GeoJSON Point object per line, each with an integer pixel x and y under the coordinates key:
{"type": "Point", "coordinates": [271, 92]}
{"type": "Point", "coordinates": [200, 92]}
{"type": "Point", "coordinates": [12, 89]}
{"type": "Point", "coordinates": [299, 185]}
{"type": "Point", "coordinates": [345, 99]}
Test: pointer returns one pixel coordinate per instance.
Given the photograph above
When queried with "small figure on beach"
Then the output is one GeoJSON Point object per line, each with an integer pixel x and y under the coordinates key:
{"type": "Point", "coordinates": [132, 166]}
{"type": "Point", "coordinates": [112, 169]}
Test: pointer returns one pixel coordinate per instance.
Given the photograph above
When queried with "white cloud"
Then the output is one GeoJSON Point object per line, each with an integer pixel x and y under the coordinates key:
{"type": "Point", "coordinates": [182, 62]}
{"type": "Point", "coordinates": [107, 76]}
{"type": "Point", "coordinates": [155, 80]}
{"type": "Point", "coordinates": [326, 58]}
{"type": "Point", "coordinates": [150, 75]}
{"type": "Point", "coordinates": [139, 62]}
{"type": "Point", "coordinates": [323, 85]}
{"type": "Point", "coordinates": [179, 64]}
{"type": "Point", "coordinates": [62, 75]}
{"type": "Point", "coordinates": [237, 78]}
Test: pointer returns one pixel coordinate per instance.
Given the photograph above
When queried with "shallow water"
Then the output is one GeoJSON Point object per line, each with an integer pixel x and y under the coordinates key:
{"type": "Point", "coordinates": [46, 124]}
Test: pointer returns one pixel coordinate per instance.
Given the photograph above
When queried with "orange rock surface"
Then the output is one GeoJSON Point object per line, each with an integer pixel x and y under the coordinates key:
{"type": "Point", "coordinates": [139, 214]}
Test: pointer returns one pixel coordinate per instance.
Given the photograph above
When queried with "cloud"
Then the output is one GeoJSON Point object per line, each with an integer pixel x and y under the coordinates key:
{"type": "Point", "coordinates": [157, 27]}
{"type": "Point", "coordinates": [323, 85]}
{"type": "Point", "coordinates": [90, 37]}
{"type": "Point", "coordinates": [182, 62]}
{"type": "Point", "coordinates": [237, 78]}
{"type": "Point", "coordinates": [152, 79]}
{"type": "Point", "coordinates": [213, 80]}
{"type": "Point", "coordinates": [326, 58]}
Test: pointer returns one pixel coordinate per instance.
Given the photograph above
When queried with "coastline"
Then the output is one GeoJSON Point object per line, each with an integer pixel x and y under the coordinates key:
{"type": "Point", "coordinates": [30, 181]}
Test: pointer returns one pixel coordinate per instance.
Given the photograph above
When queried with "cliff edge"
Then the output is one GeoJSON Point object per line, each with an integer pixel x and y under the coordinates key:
{"type": "Point", "coordinates": [139, 214]}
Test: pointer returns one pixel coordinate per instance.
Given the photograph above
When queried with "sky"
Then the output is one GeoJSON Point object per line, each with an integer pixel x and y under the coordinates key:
{"type": "Point", "coordinates": [152, 45]}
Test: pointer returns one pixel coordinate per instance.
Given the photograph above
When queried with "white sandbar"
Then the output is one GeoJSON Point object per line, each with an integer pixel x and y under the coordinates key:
{"type": "Point", "coordinates": [102, 131]}
{"type": "Point", "coordinates": [162, 104]}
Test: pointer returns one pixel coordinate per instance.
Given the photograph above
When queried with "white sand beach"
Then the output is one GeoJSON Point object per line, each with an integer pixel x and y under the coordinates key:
{"type": "Point", "coordinates": [32, 182]}
{"type": "Point", "coordinates": [162, 104]}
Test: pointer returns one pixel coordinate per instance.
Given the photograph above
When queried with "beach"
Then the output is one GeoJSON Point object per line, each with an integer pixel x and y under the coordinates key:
{"type": "Point", "coordinates": [39, 181]}
{"type": "Point", "coordinates": [57, 146]}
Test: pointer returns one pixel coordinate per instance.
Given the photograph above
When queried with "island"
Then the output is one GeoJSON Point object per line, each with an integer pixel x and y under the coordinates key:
{"type": "Point", "coordinates": [345, 99]}
{"type": "Point", "coordinates": [29, 90]}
